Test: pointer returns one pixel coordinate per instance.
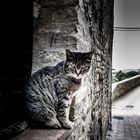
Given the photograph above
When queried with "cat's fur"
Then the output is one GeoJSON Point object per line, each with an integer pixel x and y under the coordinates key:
{"type": "Point", "coordinates": [49, 90]}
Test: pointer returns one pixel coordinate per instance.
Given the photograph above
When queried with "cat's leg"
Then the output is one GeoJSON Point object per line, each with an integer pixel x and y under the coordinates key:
{"type": "Point", "coordinates": [51, 118]}
{"type": "Point", "coordinates": [61, 85]}
{"type": "Point", "coordinates": [51, 123]}
{"type": "Point", "coordinates": [72, 105]}
{"type": "Point", "coordinates": [63, 114]}
{"type": "Point", "coordinates": [44, 117]}
{"type": "Point", "coordinates": [45, 122]}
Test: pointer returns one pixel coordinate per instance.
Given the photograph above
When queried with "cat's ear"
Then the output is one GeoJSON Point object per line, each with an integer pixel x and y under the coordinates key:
{"type": "Point", "coordinates": [89, 55]}
{"type": "Point", "coordinates": [69, 55]}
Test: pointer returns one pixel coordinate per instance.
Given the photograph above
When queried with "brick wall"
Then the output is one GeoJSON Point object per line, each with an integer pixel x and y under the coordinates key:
{"type": "Point", "coordinates": [79, 25]}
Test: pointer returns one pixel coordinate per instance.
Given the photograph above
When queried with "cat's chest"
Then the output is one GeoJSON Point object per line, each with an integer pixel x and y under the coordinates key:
{"type": "Point", "coordinates": [74, 87]}
{"type": "Point", "coordinates": [66, 83]}
{"type": "Point", "coordinates": [75, 84]}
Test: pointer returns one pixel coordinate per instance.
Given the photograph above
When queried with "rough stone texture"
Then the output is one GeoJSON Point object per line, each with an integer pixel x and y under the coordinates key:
{"type": "Point", "coordinates": [120, 88]}
{"type": "Point", "coordinates": [43, 134]}
{"type": "Point", "coordinates": [125, 128]}
{"type": "Point", "coordinates": [80, 25]}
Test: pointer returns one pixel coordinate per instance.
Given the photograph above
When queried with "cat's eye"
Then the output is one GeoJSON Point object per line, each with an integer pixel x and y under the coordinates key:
{"type": "Point", "coordinates": [87, 67]}
{"type": "Point", "coordinates": [74, 67]}
{"type": "Point", "coordinates": [69, 59]}
{"type": "Point", "coordinates": [88, 60]}
{"type": "Point", "coordinates": [83, 68]}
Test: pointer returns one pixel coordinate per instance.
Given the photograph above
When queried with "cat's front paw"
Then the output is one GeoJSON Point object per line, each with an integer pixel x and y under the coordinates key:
{"type": "Point", "coordinates": [68, 125]}
{"type": "Point", "coordinates": [72, 118]}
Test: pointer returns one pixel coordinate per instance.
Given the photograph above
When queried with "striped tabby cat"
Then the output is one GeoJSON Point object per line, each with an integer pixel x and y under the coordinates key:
{"type": "Point", "coordinates": [49, 90]}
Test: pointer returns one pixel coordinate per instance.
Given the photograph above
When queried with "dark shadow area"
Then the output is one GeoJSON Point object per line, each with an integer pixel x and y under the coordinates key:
{"type": "Point", "coordinates": [15, 59]}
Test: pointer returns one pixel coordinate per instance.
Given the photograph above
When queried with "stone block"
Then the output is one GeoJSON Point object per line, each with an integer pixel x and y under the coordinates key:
{"type": "Point", "coordinates": [56, 3]}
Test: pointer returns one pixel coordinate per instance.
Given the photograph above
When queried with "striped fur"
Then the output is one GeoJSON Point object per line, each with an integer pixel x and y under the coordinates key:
{"type": "Point", "coordinates": [13, 130]}
{"type": "Point", "coordinates": [48, 92]}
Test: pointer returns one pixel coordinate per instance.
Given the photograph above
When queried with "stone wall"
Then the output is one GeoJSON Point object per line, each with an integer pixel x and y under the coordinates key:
{"type": "Point", "coordinates": [79, 25]}
{"type": "Point", "coordinates": [120, 88]}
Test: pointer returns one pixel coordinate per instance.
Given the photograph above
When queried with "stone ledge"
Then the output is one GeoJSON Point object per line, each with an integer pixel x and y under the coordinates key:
{"type": "Point", "coordinates": [121, 87]}
{"type": "Point", "coordinates": [44, 134]}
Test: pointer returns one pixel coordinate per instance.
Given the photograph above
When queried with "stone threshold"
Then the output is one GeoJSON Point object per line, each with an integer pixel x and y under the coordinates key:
{"type": "Point", "coordinates": [44, 134]}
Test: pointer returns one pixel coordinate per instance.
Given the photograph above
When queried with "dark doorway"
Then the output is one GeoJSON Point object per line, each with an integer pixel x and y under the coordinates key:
{"type": "Point", "coordinates": [15, 60]}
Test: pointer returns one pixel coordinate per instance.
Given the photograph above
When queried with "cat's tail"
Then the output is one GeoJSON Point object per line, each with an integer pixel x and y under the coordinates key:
{"type": "Point", "coordinates": [13, 130]}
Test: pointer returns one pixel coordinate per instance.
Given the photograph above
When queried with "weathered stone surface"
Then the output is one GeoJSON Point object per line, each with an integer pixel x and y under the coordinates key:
{"type": "Point", "coordinates": [56, 3]}
{"type": "Point", "coordinates": [80, 25]}
{"type": "Point", "coordinates": [120, 88]}
{"type": "Point", "coordinates": [43, 134]}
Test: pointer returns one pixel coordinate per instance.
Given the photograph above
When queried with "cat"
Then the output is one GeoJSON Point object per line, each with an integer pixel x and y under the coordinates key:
{"type": "Point", "coordinates": [48, 93]}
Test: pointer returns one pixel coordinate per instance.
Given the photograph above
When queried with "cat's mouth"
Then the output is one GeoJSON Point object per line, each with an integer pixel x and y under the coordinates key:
{"type": "Point", "coordinates": [78, 77]}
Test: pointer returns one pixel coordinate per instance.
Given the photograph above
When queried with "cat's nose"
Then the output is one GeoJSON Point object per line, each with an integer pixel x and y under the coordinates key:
{"type": "Point", "coordinates": [78, 72]}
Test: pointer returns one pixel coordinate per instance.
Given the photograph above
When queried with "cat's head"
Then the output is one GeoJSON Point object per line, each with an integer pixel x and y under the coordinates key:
{"type": "Point", "coordinates": [77, 63]}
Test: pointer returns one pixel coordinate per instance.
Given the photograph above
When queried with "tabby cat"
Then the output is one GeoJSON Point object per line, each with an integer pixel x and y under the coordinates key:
{"type": "Point", "coordinates": [48, 93]}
